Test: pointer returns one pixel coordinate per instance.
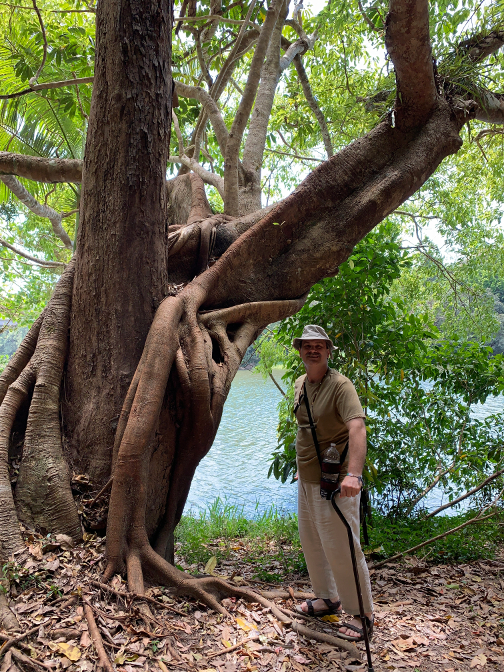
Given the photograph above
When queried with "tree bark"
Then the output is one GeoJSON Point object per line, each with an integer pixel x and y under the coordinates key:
{"type": "Point", "coordinates": [122, 249]}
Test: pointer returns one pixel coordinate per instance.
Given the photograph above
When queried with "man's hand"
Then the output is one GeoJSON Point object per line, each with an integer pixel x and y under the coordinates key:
{"type": "Point", "coordinates": [350, 486]}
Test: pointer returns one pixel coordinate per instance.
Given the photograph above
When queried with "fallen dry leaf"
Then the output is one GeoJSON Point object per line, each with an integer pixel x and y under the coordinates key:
{"type": "Point", "coordinates": [71, 652]}
{"type": "Point", "coordinates": [211, 565]}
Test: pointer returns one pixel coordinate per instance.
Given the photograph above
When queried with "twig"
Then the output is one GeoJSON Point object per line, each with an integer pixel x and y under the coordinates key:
{"type": "Point", "coordinates": [30, 662]}
{"type": "Point", "coordinates": [227, 649]}
{"type": "Point", "coordinates": [366, 17]}
{"type": "Point", "coordinates": [33, 80]}
{"type": "Point", "coordinates": [430, 541]}
{"type": "Point", "coordinates": [467, 494]}
{"type": "Point", "coordinates": [277, 385]}
{"type": "Point", "coordinates": [97, 639]}
{"type": "Point", "coordinates": [135, 596]}
{"type": "Point", "coordinates": [106, 487]}
{"type": "Point", "coordinates": [40, 262]}
{"type": "Point", "coordinates": [293, 156]}
{"type": "Point", "coordinates": [14, 640]}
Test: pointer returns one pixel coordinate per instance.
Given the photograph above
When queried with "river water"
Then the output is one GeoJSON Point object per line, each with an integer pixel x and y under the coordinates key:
{"type": "Point", "coordinates": [236, 468]}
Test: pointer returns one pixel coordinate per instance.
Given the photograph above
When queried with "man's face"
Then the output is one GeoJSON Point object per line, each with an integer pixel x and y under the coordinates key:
{"type": "Point", "coordinates": [314, 351]}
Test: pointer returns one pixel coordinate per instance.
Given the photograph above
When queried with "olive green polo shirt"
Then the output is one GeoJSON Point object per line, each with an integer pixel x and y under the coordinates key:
{"type": "Point", "coordinates": [333, 402]}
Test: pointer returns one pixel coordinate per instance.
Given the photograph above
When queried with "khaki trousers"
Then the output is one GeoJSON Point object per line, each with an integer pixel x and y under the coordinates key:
{"type": "Point", "coordinates": [326, 549]}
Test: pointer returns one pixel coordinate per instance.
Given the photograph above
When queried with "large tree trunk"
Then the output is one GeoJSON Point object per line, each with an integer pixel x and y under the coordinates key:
{"type": "Point", "coordinates": [122, 247]}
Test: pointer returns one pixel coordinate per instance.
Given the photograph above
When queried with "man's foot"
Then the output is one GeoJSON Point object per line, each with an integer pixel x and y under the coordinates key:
{"type": "Point", "coordinates": [353, 631]}
{"type": "Point", "coordinates": [320, 607]}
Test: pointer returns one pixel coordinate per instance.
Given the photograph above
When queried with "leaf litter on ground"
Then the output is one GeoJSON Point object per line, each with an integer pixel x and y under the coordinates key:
{"type": "Point", "coordinates": [427, 618]}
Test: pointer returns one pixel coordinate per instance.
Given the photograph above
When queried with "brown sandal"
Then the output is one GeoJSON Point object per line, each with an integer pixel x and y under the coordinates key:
{"type": "Point", "coordinates": [359, 631]}
{"type": "Point", "coordinates": [333, 608]}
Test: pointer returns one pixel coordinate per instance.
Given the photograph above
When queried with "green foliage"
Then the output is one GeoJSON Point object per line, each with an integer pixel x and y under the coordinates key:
{"type": "Point", "coordinates": [271, 541]}
{"type": "Point", "coordinates": [479, 540]}
{"type": "Point", "coordinates": [222, 530]}
{"type": "Point", "coordinates": [419, 390]}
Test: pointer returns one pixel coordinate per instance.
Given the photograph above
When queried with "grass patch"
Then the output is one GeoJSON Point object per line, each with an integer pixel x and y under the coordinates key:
{"type": "Point", "coordinates": [270, 541]}
{"type": "Point", "coordinates": [474, 542]}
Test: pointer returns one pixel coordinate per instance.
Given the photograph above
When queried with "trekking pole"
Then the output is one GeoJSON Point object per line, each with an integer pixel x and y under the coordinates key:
{"type": "Point", "coordinates": [356, 577]}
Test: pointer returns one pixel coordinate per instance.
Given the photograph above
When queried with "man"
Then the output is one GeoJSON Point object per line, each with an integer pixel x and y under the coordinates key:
{"type": "Point", "coordinates": [338, 416]}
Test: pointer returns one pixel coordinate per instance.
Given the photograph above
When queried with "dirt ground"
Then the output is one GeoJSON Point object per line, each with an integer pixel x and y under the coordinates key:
{"type": "Point", "coordinates": [428, 618]}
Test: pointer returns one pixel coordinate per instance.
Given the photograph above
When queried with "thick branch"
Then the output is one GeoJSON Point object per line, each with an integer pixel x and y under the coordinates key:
{"type": "Point", "coordinates": [211, 108]}
{"type": "Point", "coordinates": [49, 85]}
{"type": "Point", "coordinates": [40, 169]}
{"type": "Point", "coordinates": [489, 106]}
{"type": "Point", "coordinates": [243, 43]}
{"type": "Point", "coordinates": [408, 43]}
{"type": "Point", "coordinates": [40, 262]}
{"type": "Point", "coordinates": [37, 208]}
{"type": "Point", "coordinates": [242, 115]}
{"type": "Point", "coordinates": [466, 494]}
{"type": "Point", "coordinates": [258, 127]}
{"type": "Point", "coordinates": [209, 178]}
{"type": "Point", "coordinates": [480, 46]}
{"type": "Point", "coordinates": [310, 98]}
{"type": "Point", "coordinates": [299, 47]}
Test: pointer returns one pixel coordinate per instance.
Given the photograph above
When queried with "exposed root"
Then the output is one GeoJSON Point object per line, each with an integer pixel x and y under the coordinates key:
{"type": "Point", "coordinates": [33, 378]}
{"type": "Point", "coordinates": [97, 640]}
{"type": "Point", "coordinates": [14, 640]}
{"type": "Point", "coordinates": [43, 493]}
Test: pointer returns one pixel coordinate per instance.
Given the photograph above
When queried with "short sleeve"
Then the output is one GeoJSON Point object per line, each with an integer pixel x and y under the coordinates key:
{"type": "Point", "coordinates": [347, 401]}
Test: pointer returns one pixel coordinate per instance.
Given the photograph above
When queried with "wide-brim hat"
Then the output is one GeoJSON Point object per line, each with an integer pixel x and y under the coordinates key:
{"type": "Point", "coordinates": [310, 333]}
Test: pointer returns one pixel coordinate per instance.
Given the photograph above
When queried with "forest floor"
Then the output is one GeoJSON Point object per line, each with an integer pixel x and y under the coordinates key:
{"type": "Point", "coordinates": [428, 618]}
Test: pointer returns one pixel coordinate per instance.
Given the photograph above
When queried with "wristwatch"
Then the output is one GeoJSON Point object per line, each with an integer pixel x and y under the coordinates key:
{"type": "Point", "coordinates": [359, 478]}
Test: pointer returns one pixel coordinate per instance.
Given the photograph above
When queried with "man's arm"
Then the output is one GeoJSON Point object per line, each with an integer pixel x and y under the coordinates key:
{"type": "Point", "coordinates": [350, 487]}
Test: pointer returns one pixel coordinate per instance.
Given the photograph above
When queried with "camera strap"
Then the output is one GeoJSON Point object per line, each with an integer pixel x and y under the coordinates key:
{"type": "Point", "coordinates": [314, 431]}
{"type": "Point", "coordinates": [312, 426]}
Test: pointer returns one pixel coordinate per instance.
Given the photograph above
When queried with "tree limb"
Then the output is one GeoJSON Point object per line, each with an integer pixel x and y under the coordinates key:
{"type": "Point", "coordinates": [202, 62]}
{"type": "Point", "coordinates": [41, 169]}
{"type": "Point", "coordinates": [33, 80]}
{"type": "Point", "coordinates": [426, 490]}
{"type": "Point", "coordinates": [408, 43]}
{"type": "Point", "coordinates": [489, 106]}
{"type": "Point", "coordinates": [366, 17]}
{"type": "Point", "coordinates": [211, 108]}
{"type": "Point", "coordinates": [258, 126]}
{"type": "Point", "coordinates": [465, 495]}
{"type": "Point", "coordinates": [432, 540]}
{"type": "Point", "coordinates": [40, 262]}
{"type": "Point", "coordinates": [299, 47]}
{"type": "Point", "coordinates": [231, 203]}
{"type": "Point", "coordinates": [214, 17]}
{"type": "Point", "coordinates": [243, 43]}
{"type": "Point", "coordinates": [48, 85]}
{"type": "Point", "coordinates": [478, 47]}
{"type": "Point", "coordinates": [312, 102]}
{"type": "Point", "coordinates": [37, 208]}
{"type": "Point", "coordinates": [208, 177]}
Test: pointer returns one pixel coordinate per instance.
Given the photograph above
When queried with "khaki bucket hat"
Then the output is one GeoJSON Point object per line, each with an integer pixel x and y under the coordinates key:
{"type": "Point", "coordinates": [310, 333]}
